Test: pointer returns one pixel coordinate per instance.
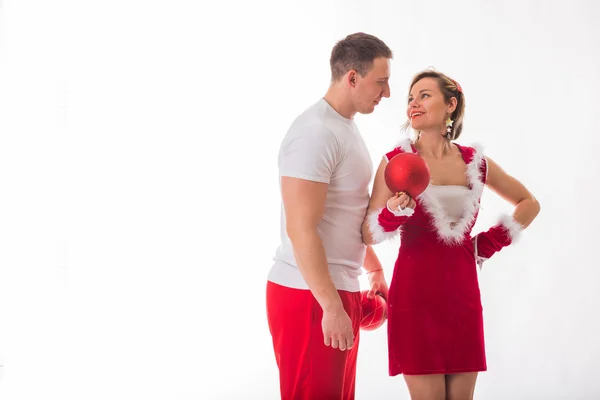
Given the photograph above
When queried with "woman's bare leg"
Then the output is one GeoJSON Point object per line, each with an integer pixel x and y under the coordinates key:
{"type": "Point", "coordinates": [426, 387]}
{"type": "Point", "coordinates": [460, 386]}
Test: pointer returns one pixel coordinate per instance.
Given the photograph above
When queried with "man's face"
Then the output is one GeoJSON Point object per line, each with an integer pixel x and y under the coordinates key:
{"type": "Point", "coordinates": [373, 86]}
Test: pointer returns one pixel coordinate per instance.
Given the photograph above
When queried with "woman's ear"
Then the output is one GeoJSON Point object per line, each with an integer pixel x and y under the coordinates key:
{"type": "Point", "coordinates": [452, 105]}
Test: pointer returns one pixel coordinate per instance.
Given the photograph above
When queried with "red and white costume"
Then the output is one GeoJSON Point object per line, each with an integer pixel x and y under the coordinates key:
{"type": "Point", "coordinates": [435, 322]}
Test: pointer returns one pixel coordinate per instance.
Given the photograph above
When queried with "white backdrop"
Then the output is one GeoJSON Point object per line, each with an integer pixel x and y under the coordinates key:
{"type": "Point", "coordinates": [139, 206]}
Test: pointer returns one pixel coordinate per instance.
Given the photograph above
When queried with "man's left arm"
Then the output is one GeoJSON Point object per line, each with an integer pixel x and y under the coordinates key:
{"type": "Point", "coordinates": [375, 274]}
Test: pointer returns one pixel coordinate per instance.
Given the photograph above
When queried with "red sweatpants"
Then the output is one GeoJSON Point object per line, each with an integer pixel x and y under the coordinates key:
{"type": "Point", "coordinates": [307, 368]}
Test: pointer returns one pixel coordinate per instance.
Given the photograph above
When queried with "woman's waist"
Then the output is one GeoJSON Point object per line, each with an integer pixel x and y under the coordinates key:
{"type": "Point", "coordinates": [416, 237]}
{"type": "Point", "coordinates": [433, 250]}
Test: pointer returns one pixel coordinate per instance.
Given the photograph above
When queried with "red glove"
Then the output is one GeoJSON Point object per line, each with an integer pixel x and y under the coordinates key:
{"type": "Point", "coordinates": [385, 223]}
{"type": "Point", "coordinates": [504, 233]}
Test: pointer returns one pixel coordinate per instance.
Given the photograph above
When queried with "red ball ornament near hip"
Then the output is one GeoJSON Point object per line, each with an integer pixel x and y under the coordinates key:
{"type": "Point", "coordinates": [407, 172]}
{"type": "Point", "coordinates": [374, 311]}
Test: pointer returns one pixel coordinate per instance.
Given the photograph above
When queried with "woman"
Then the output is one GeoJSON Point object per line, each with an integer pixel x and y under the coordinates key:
{"type": "Point", "coordinates": [435, 323]}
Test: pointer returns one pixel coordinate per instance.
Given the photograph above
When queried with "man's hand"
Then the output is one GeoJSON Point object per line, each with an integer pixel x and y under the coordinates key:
{"type": "Point", "coordinates": [378, 284]}
{"type": "Point", "coordinates": [337, 329]}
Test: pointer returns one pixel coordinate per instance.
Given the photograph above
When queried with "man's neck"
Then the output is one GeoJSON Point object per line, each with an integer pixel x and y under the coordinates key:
{"type": "Point", "coordinates": [339, 100]}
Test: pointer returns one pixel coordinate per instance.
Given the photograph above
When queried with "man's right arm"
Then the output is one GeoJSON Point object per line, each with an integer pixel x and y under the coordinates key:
{"type": "Point", "coordinates": [308, 159]}
{"type": "Point", "coordinates": [304, 203]}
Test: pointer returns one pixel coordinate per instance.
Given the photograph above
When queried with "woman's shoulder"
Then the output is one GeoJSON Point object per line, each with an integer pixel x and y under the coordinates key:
{"type": "Point", "coordinates": [404, 145]}
{"type": "Point", "coordinates": [474, 157]}
{"type": "Point", "coordinates": [473, 152]}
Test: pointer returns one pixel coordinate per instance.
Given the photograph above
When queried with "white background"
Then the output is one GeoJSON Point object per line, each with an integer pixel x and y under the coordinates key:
{"type": "Point", "coordinates": [139, 206]}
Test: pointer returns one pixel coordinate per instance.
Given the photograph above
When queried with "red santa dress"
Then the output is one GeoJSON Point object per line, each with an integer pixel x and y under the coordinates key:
{"type": "Point", "coordinates": [435, 319]}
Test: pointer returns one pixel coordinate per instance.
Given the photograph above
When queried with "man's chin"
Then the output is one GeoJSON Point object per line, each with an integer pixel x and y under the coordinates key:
{"type": "Point", "coordinates": [367, 110]}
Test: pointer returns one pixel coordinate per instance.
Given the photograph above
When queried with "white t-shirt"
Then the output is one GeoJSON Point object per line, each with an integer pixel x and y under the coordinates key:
{"type": "Point", "coordinates": [323, 146]}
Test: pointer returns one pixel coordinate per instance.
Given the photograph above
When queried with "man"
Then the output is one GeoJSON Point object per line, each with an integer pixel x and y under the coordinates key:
{"type": "Point", "coordinates": [313, 292]}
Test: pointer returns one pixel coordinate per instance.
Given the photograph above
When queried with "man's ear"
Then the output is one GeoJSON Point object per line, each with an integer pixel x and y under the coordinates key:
{"type": "Point", "coordinates": [352, 78]}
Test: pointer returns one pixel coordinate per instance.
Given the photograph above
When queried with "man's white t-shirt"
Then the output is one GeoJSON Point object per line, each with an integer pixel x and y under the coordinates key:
{"type": "Point", "coordinates": [323, 146]}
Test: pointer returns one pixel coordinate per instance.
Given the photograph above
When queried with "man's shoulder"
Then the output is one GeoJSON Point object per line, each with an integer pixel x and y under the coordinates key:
{"type": "Point", "coordinates": [310, 131]}
{"type": "Point", "coordinates": [312, 116]}
{"type": "Point", "coordinates": [312, 124]}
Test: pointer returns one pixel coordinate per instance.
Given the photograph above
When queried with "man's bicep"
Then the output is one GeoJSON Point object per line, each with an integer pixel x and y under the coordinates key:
{"type": "Point", "coordinates": [304, 202]}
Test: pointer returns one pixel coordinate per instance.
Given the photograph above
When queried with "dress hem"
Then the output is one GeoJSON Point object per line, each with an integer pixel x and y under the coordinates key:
{"type": "Point", "coordinates": [434, 372]}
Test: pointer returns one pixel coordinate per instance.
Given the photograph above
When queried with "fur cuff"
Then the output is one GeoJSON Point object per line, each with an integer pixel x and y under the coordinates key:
{"type": "Point", "coordinates": [407, 212]}
{"type": "Point", "coordinates": [512, 226]}
{"type": "Point", "coordinates": [379, 235]}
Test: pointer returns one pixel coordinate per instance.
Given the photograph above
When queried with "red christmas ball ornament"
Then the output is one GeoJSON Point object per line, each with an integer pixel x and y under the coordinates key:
{"type": "Point", "coordinates": [374, 311]}
{"type": "Point", "coordinates": [407, 172]}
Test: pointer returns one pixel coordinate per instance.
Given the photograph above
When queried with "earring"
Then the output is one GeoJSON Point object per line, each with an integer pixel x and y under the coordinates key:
{"type": "Point", "coordinates": [449, 123]}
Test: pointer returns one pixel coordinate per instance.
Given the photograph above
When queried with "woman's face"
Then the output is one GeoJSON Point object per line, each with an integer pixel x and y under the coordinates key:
{"type": "Point", "coordinates": [427, 108]}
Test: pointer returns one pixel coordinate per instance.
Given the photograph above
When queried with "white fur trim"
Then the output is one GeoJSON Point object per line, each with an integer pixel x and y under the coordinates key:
{"type": "Point", "coordinates": [514, 228]}
{"type": "Point", "coordinates": [407, 212]}
{"type": "Point", "coordinates": [379, 235]}
{"type": "Point", "coordinates": [446, 232]}
{"type": "Point", "coordinates": [404, 144]}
